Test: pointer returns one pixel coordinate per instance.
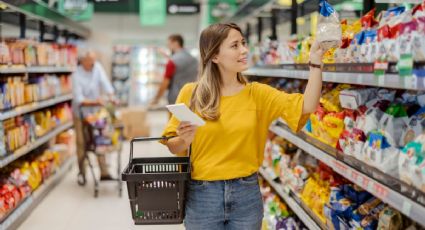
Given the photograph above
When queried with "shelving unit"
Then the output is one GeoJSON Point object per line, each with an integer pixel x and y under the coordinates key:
{"type": "Point", "coordinates": [31, 146]}
{"type": "Point", "coordinates": [292, 203]}
{"type": "Point", "coordinates": [411, 208]}
{"type": "Point", "coordinates": [37, 69]}
{"type": "Point", "coordinates": [121, 81]}
{"type": "Point", "coordinates": [34, 106]}
{"type": "Point", "coordinates": [369, 79]}
{"type": "Point", "coordinates": [28, 205]}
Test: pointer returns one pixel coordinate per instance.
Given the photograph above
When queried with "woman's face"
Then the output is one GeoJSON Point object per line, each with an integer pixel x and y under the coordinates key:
{"type": "Point", "coordinates": [233, 54]}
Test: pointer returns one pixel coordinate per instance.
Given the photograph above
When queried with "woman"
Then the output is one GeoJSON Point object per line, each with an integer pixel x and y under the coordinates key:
{"type": "Point", "coordinates": [228, 151]}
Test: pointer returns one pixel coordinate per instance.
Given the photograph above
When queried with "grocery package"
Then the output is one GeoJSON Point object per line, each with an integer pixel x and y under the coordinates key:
{"type": "Point", "coordinates": [390, 219]}
{"type": "Point", "coordinates": [276, 214]}
{"type": "Point", "coordinates": [16, 91]}
{"type": "Point", "coordinates": [24, 176]}
{"type": "Point", "coordinates": [354, 98]}
{"type": "Point", "coordinates": [392, 124]}
{"type": "Point", "coordinates": [380, 154]}
{"type": "Point", "coordinates": [412, 164]}
{"type": "Point", "coordinates": [21, 130]}
{"type": "Point", "coordinates": [4, 55]}
{"type": "Point", "coordinates": [20, 53]}
{"type": "Point", "coordinates": [329, 33]}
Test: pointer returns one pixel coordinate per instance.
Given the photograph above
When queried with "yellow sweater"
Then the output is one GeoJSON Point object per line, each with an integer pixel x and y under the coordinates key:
{"type": "Point", "coordinates": [233, 146]}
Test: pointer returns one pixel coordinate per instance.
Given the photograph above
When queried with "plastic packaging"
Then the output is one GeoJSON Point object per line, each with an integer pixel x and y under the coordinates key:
{"type": "Point", "coordinates": [329, 33]}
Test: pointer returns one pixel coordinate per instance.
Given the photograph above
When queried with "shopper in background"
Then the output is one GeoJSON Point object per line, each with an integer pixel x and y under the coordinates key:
{"type": "Point", "coordinates": [181, 69]}
{"type": "Point", "coordinates": [227, 152]}
{"type": "Point", "coordinates": [91, 87]}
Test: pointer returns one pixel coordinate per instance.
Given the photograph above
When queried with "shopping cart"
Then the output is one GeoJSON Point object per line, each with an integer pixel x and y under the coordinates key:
{"type": "Point", "coordinates": [156, 187]}
{"type": "Point", "coordinates": [101, 137]}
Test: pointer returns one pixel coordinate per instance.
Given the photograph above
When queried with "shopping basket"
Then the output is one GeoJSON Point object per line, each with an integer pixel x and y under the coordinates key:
{"type": "Point", "coordinates": [156, 187]}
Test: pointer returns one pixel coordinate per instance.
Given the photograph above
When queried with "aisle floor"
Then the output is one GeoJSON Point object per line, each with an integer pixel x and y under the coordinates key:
{"type": "Point", "coordinates": [70, 206]}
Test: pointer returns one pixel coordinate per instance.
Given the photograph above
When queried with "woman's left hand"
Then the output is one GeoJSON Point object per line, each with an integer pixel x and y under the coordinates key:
{"type": "Point", "coordinates": [316, 53]}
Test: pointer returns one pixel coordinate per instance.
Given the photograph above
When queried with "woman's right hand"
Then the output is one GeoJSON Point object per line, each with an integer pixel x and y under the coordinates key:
{"type": "Point", "coordinates": [186, 131]}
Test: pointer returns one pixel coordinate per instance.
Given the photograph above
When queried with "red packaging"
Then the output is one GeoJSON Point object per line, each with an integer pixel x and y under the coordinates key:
{"type": "Point", "coordinates": [384, 33]}
{"type": "Point", "coordinates": [368, 20]}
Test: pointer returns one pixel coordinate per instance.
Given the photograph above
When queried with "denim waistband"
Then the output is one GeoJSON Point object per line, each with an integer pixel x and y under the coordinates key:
{"type": "Point", "coordinates": [230, 180]}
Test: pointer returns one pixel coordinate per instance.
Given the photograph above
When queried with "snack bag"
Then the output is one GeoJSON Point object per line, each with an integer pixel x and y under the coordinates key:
{"type": "Point", "coordinates": [343, 54]}
{"type": "Point", "coordinates": [415, 127]}
{"type": "Point", "coordinates": [329, 33]}
{"type": "Point", "coordinates": [333, 125]}
{"type": "Point", "coordinates": [5, 58]}
{"type": "Point", "coordinates": [418, 43]}
{"type": "Point", "coordinates": [392, 124]}
{"type": "Point", "coordinates": [330, 100]}
{"type": "Point", "coordinates": [368, 21]}
{"type": "Point", "coordinates": [304, 50]}
{"type": "Point", "coordinates": [390, 219]}
{"type": "Point", "coordinates": [378, 153]}
{"type": "Point", "coordinates": [354, 98]}
{"type": "Point", "coordinates": [419, 10]}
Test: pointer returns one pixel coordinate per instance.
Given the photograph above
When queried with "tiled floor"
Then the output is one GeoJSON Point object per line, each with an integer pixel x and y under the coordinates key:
{"type": "Point", "coordinates": [70, 207]}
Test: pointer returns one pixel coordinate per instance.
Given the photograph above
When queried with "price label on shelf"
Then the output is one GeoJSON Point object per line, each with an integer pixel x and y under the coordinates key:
{"type": "Point", "coordinates": [407, 207]}
{"type": "Point", "coordinates": [405, 65]}
{"type": "Point", "coordinates": [380, 190]}
{"type": "Point", "coordinates": [380, 68]}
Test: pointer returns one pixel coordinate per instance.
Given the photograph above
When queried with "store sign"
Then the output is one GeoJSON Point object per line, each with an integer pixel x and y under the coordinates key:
{"type": "Point", "coordinates": [152, 12]}
{"type": "Point", "coordinates": [399, 1]}
{"type": "Point", "coordinates": [183, 9]}
{"type": "Point", "coordinates": [78, 10]}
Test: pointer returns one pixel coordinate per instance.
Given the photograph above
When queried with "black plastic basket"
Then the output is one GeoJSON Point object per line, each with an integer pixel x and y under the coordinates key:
{"type": "Point", "coordinates": [156, 187]}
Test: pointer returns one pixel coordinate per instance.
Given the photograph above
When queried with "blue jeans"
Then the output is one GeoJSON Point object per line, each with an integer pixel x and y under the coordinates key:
{"type": "Point", "coordinates": [228, 205]}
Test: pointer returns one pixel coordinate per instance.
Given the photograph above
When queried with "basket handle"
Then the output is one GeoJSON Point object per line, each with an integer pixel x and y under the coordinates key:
{"type": "Point", "coordinates": [140, 139]}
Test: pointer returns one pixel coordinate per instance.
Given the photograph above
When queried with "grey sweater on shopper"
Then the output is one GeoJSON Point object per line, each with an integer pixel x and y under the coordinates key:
{"type": "Point", "coordinates": [186, 71]}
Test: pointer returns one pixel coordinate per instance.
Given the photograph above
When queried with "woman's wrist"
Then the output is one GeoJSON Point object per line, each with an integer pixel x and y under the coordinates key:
{"type": "Point", "coordinates": [315, 59]}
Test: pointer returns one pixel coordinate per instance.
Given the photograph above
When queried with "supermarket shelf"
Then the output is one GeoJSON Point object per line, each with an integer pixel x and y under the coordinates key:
{"type": "Point", "coordinates": [19, 215]}
{"type": "Point", "coordinates": [37, 69]}
{"type": "Point", "coordinates": [386, 81]}
{"type": "Point", "coordinates": [29, 147]}
{"type": "Point", "coordinates": [295, 207]}
{"type": "Point", "coordinates": [34, 106]}
{"type": "Point", "coordinates": [40, 10]}
{"type": "Point", "coordinates": [387, 194]}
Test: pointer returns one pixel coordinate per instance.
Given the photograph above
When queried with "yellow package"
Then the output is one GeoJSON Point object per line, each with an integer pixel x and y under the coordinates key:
{"type": "Point", "coordinates": [329, 56]}
{"type": "Point", "coordinates": [333, 125]}
{"type": "Point", "coordinates": [304, 50]}
{"type": "Point", "coordinates": [330, 100]}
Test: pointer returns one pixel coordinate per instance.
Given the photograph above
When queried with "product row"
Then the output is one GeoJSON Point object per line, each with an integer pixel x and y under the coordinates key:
{"type": "Point", "coordinates": [20, 53]}
{"type": "Point", "coordinates": [393, 35]}
{"type": "Point", "coordinates": [19, 179]}
{"type": "Point", "coordinates": [22, 130]}
{"type": "Point", "coordinates": [336, 202]}
{"type": "Point", "coordinates": [380, 127]}
{"type": "Point", "coordinates": [277, 215]}
{"type": "Point", "coordinates": [16, 91]}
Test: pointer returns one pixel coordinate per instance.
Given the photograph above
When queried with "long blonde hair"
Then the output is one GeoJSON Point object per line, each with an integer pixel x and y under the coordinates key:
{"type": "Point", "coordinates": [206, 95]}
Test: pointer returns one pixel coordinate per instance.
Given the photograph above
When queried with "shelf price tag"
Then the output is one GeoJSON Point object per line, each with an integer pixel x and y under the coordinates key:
{"type": "Point", "coordinates": [380, 190]}
{"type": "Point", "coordinates": [405, 65]}
{"type": "Point", "coordinates": [407, 207]}
{"type": "Point", "coordinates": [380, 67]}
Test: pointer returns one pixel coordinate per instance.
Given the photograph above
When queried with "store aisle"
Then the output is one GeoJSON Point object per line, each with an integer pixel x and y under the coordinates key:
{"type": "Point", "coordinates": [70, 207]}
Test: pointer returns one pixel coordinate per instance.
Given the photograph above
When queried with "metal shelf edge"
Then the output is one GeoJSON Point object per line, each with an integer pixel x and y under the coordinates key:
{"type": "Point", "coordinates": [299, 211]}
{"type": "Point", "coordinates": [21, 213]}
{"type": "Point", "coordinates": [369, 79]}
{"type": "Point", "coordinates": [36, 69]}
{"type": "Point", "coordinates": [28, 148]}
{"type": "Point", "coordinates": [34, 106]}
{"type": "Point", "coordinates": [405, 205]}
